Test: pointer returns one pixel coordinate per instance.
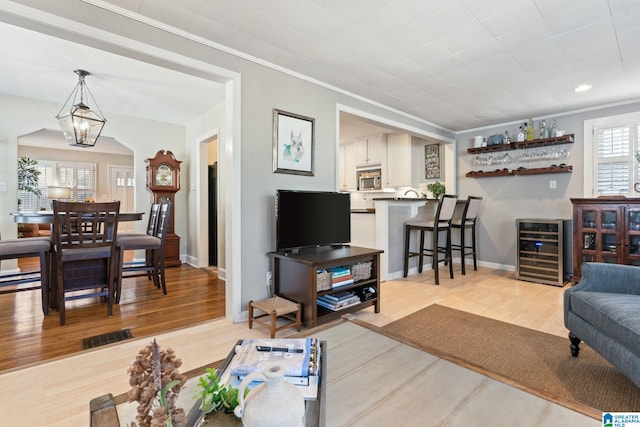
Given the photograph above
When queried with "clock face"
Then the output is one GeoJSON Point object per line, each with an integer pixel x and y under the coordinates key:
{"type": "Point", "coordinates": [164, 175]}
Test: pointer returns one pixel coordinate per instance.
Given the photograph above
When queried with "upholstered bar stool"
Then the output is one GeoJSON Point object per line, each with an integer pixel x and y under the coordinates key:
{"type": "Point", "coordinates": [273, 308]}
{"type": "Point", "coordinates": [440, 223]}
{"type": "Point", "coordinates": [467, 221]}
{"type": "Point", "coordinates": [29, 247]}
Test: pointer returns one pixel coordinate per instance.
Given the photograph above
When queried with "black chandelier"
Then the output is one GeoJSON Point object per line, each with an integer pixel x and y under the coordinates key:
{"type": "Point", "coordinates": [81, 125]}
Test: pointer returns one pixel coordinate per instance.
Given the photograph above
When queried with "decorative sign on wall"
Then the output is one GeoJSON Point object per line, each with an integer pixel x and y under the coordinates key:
{"type": "Point", "coordinates": [432, 168]}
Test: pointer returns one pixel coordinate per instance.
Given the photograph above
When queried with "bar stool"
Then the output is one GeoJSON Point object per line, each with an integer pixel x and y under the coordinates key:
{"type": "Point", "coordinates": [441, 222]}
{"type": "Point", "coordinates": [275, 307]}
{"type": "Point", "coordinates": [467, 221]}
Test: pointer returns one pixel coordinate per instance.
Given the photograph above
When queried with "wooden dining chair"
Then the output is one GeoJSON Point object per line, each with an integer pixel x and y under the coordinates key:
{"type": "Point", "coordinates": [28, 247]}
{"type": "Point", "coordinates": [153, 242]}
{"type": "Point", "coordinates": [84, 251]}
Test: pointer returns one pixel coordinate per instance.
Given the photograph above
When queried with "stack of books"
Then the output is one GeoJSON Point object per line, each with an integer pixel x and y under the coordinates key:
{"type": "Point", "coordinates": [341, 276]}
{"type": "Point", "coordinates": [338, 300]}
{"type": "Point", "coordinates": [300, 358]}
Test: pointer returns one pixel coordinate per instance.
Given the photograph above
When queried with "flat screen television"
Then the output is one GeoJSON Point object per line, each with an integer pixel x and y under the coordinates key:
{"type": "Point", "coordinates": [312, 218]}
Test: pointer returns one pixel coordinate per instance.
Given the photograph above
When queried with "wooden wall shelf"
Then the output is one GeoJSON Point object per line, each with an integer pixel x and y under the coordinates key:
{"type": "Point", "coordinates": [510, 172]}
{"type": "Point", "coordinates": [565, 139]}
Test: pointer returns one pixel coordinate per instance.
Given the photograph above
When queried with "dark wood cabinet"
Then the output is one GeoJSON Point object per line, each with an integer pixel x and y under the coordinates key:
{"type": "Point", "coordinates": [605, 230]}
{"type": "Point", "coordinates": [295, 278]}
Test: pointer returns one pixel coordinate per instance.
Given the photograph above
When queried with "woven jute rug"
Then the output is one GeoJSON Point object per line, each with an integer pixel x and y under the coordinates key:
{"type": "Point", "coordinates": [534, 361]}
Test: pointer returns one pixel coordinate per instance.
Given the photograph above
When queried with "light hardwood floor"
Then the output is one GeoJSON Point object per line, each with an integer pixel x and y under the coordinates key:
{"type": "Point", "coordinates": [57, 391]}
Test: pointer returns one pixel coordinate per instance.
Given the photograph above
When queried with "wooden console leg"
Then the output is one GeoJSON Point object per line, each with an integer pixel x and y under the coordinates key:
{"type": "Point", "coordinates": [575, 344]}
{"type": "Point", "coordinates": [250, 314]}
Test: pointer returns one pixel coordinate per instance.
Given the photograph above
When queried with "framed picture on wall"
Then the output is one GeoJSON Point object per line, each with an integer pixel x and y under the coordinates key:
{"type": "Point", "coordinates": [293, 143]}
{"type": "Point", "coordinates": [432, 164]}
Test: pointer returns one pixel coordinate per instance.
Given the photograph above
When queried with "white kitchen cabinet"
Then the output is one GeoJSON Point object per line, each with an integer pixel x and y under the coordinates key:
{"type": "Point", "coordinates": [399, 160]}
{"type": "Point", "coordinates": [405, 161]}
{"type": "Point", "coordinates": [348, 166]}
{"type": "Point", "coordinates": [372, 150]}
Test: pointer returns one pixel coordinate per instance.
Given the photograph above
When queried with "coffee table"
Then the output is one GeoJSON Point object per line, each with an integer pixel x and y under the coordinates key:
{"type": "Point", "coordinates": [107, 410]}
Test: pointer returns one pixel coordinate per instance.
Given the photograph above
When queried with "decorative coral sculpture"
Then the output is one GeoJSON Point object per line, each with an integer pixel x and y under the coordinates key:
{"type": "Point", "coordinates": [155, 385]}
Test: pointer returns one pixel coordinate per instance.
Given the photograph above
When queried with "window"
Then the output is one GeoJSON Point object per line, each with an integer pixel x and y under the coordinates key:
{"type": "Point", "coordinates": [615, 145]}
{"type": "Point", "coordinates": [80, 178]}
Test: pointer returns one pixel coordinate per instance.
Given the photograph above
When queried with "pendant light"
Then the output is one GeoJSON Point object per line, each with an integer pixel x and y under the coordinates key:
{"type": "Point", "coordinates": [80, 124]}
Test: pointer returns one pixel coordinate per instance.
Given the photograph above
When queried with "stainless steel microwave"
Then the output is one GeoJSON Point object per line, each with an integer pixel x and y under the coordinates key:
{"type": "Point", "coordinates": [369, 179]}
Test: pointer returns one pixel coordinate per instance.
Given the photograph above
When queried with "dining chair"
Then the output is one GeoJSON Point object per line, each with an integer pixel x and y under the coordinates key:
{"type": "Point", "coordinates": [84, 250]}
{"type": "Point", "coordinates": [153, 242]}
{"type": "Point", "coordinates": [28, 247]}
{"type": "Point", "coordinates": [441, 222]}
{"type": "Point", "coordinates": [467, 221]}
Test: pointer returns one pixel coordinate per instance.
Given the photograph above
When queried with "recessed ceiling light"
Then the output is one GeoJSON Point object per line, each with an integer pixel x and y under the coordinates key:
{"type": "Point", "coordinates": [582, 88]}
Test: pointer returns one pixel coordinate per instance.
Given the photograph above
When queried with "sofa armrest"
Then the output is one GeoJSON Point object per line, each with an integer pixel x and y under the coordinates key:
{"type": "Point", "coordinates": [601, 277]}
{"type": "Point", "coordinates": [612, 278]}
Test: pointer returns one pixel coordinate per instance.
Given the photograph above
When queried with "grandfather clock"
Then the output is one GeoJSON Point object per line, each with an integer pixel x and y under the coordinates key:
{"type": "Point", "coordinates": [163, 180]}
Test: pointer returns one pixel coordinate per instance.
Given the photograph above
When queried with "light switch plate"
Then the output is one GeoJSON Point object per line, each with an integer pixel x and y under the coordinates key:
{"type": "Point", "coordinates": [3, 187]}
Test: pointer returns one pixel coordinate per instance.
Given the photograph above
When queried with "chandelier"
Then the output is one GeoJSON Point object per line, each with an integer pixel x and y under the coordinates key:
{"type": "Point", "coordinates": [80, 124]}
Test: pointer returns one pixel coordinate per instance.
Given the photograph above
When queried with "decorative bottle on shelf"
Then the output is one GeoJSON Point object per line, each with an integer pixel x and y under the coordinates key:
{"type": "Point", "coordinates": [543, 131]}
{"type": "Point", "coordinates": [520, 136]}
{"type": "Point", "coordinates": [506, 139]}
{"type": "Point", "coordinates": [554, 129]}
{"type": "Point", "coordinates": [531, 133]}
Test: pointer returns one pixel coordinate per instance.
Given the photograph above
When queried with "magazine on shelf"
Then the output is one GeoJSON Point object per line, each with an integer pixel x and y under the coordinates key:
{"type": "Point", "coordinates": [339, 306]}
{"type": "Point", "coordinates": [302, 368]}
{"type": "Point", "coordinates": [338, 296]}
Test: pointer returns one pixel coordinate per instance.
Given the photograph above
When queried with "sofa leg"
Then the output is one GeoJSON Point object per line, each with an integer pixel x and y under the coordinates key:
{"type": "Point", "coordinates": [575, 344]}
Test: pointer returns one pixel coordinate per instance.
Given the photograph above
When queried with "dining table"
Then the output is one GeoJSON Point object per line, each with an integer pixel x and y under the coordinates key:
{"type": "Point", "coordinates": [46, 217]}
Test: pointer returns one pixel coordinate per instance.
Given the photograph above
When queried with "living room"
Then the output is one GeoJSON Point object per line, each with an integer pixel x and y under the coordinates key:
{"type": "Point", "coordinates": [253, 91]}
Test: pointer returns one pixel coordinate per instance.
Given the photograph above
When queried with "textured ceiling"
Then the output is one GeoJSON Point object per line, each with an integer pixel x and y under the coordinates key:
{"type": "Point", "coordinates": [458, 64]}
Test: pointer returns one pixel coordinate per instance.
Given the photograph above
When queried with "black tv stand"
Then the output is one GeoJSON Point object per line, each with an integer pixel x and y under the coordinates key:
{"type": "Point", "coordinates": [295, 278]}
{"type": "Point", "coordinates": [340, 246]}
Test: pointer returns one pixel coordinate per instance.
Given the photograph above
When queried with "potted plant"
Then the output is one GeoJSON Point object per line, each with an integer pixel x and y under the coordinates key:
{"type": "Point", "coordinates": [437, 189]}
{"type": "Point", "coordinates": [28, 176]}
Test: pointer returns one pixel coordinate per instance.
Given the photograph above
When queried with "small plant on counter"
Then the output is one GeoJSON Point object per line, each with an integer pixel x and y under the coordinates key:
{"type": "Point", "coordinates": [437, 189]}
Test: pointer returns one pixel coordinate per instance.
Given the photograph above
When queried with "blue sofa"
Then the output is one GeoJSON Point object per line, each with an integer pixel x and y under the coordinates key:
{"type": "Point", "coordinates": [603, 310]}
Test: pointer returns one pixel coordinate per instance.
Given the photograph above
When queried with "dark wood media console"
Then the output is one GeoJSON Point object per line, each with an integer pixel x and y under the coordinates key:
{"type": "Point", "coordinates": [295, 278]}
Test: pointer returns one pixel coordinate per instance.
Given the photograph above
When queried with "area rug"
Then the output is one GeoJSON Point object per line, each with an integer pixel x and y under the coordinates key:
{"type": "Point", "coordinates": [534, 361]}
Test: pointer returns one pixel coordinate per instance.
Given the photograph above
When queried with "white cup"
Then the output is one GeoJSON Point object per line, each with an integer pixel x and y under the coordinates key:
{"type": "Point", "coordinates": [559, 133]}
{"type": "Point", "coordinates": [479, 141]}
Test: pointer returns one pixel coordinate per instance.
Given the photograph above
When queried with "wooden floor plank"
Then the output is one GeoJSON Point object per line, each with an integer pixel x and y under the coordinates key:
{"type": "Point", "coordinates": [27, 336]}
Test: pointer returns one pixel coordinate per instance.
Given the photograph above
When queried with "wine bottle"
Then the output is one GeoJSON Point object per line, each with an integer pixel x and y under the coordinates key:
{"type": "Point", "coordinates": [531, 133]}
{"type": "Point", "coordinates": [554, 129]}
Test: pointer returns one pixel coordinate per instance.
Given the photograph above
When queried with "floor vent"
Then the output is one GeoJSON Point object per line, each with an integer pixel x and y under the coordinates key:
{"type": "Point", "coordinates": [105, 339]}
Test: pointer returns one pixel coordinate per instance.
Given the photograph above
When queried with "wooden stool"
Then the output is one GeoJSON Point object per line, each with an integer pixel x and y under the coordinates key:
{"type": "Point", "coordinates": [275, 307]}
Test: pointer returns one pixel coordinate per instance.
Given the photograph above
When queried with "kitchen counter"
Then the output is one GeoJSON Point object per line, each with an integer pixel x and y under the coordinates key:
{"type": "Point", "coordinates": [401, 199]}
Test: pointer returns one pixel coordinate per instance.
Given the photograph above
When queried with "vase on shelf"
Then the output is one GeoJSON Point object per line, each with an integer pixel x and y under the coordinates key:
{"type": "Point", "coordinates": [273, 403]}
